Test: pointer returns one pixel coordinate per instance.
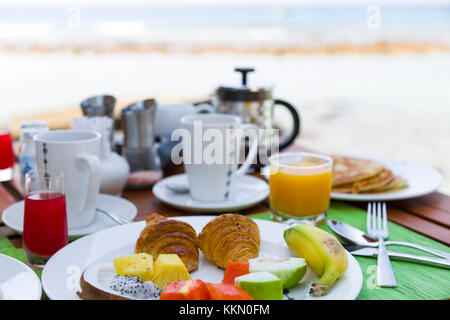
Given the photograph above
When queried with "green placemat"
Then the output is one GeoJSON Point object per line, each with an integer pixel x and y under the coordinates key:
{"type": "Point", "coordinates": [415, 281]}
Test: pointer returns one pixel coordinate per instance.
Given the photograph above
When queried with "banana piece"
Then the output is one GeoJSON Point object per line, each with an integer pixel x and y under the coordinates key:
{"type": "Point", "coordinates": [322, 252]}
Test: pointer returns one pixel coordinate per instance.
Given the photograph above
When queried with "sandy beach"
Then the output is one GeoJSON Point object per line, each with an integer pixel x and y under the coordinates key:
{"type": "Point", "coordinates": [386, 104]}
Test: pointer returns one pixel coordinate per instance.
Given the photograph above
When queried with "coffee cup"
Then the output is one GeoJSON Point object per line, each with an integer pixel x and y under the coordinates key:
{"type": "Point", "coordinates": [76, 154]}
{"type": "Point", "coordinates": [211, 147]}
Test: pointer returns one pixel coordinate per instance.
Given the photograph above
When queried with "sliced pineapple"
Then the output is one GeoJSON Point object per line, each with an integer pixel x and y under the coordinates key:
{"type": "Point", "coordinates": [168, 268]}
{"type": "Point", "coordinates": [136, 265]}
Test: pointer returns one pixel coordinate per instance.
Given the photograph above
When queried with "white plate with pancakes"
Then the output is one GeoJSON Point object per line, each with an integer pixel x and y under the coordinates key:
{"type": "Point", "coordinates": [380, 179]}
{"type": "Point", "coordinates": [406, 180]}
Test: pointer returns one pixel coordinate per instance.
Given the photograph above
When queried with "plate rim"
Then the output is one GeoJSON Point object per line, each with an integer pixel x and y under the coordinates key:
{"type": "Point", "coordinates": [357, 277]}
{"type": "Point", "coordinates": [73, 233]}
{"type": "Point", "coordinates": [35, 276]}
{"type": "Point", "coordinates": [205, 208]}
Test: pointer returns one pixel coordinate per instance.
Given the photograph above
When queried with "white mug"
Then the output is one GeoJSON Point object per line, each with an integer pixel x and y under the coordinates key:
{"type": "Point", "coordinates": [167, 117]}
{"type": "Point", "coordinates": [212, 179]}
{"type": "Point", "coordinates": [76, 154]}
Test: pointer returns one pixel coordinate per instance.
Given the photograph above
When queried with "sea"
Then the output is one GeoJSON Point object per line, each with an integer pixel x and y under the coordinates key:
{"type": "Point", "coordinates": [226, 25]}
{"type": "Point", "coordinates": [392, 100]}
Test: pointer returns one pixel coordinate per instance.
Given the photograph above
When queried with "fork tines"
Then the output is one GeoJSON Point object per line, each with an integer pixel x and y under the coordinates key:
{"type": "Point", "coordinates": [377, 220]}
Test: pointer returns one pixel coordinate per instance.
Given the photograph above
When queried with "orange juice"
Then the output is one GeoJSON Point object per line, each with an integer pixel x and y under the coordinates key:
{"type": "Point", "coordinates": [300, 189]}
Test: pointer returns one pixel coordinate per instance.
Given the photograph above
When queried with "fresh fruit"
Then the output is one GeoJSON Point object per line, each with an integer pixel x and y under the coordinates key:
{"type": "Point", "coordinates": [137, 265]}
{"type": "Point", "coordinates": [220, 291]}
{"type": "Point", "coordinates": [95, 280]}
{"type": "Point", "coordinates": [168, 268]}
{"type": "Point", "coordinates": [322, 252]}
{"type": "Point", "coordinates": [185, 290]}
{"type": "Point", "coordinates": [99, 281]}
{"type": "Point", "coordinates": [133, 287]}
{"type": "Point", "coordinates": [233, 270]}
{"type": "Point", "coordinates": [289, 270]}
{"type": "Point", "coordinates": [118, 282]}
{"type": "Point", "coordinates": [261, 285]}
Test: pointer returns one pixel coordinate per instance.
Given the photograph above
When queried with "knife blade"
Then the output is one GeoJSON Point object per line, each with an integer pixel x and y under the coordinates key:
{"type": "Point", "coordinates": [373, 252]}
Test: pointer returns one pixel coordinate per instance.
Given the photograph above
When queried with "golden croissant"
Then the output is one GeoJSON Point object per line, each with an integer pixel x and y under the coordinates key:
{"type": "Point", "coordinates": [229, 237]}
{"type": "Point", "coordinates": [169, 236]}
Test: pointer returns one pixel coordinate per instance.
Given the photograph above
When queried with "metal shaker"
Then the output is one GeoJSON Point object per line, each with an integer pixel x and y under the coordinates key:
{"type": "Point", "coordinates": [139, 146]}
{"type": "Point", "coordinates": [100, 106]}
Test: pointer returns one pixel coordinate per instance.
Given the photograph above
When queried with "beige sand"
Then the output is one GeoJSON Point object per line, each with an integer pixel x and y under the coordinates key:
{"type": "Point", "coordinates": [395, 105]}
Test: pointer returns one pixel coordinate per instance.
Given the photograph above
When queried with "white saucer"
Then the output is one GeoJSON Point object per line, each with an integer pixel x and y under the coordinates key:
{"type": "Point", "coordinates": [247, 192]}
{"type": "Point", "coordinates": [13, 215]}
{"type": "Point", "coordinates": [18, 281]}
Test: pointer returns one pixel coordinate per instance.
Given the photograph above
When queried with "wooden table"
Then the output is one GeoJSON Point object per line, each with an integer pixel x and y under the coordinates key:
{"type": "Point", "coordinates": [428, 215]}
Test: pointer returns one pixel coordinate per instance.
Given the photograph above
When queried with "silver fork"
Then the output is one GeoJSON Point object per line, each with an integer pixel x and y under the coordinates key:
{"type": "Point", "coordinates": [377, 227]}
{"type": "Point", "coordinates": [117, 219]}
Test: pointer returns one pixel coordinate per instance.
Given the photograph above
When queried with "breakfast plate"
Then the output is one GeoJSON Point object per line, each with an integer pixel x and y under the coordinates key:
{"type": "Point", "coordinates": [13, 215]}
{"type": "Point", "coordinates": [247, 192]}
{"type": "Point", "coordinates": [61, 275]}
{"type": "Point", "coordinates": [18, 281]}
{"type": "Point", "coordinates": [421, 180]}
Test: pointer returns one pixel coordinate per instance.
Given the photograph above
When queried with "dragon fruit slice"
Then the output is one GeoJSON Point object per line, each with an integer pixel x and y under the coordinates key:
{"type": "Point", "coordinates": [133, 287]}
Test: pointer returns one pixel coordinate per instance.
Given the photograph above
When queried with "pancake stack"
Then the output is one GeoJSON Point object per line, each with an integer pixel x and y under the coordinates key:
{"type": "Point", "coordinates": [351, 175]}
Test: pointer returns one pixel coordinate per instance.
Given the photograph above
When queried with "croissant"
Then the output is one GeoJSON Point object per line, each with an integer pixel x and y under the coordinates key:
{"type": "Point", "coordinates": [229, 237]}
{"type": "Point", "coordinates": [169, 236]}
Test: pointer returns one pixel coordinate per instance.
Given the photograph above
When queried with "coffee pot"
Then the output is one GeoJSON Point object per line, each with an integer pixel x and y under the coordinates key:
{"type": "Point", "coordinates": [256, 104]}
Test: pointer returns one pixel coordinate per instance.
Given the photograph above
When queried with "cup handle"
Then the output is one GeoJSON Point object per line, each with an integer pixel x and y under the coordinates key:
{"type": "Point", "coordinates": [253, 148]}
{"type": "Point", "coordinates": [91, 163]}
{"type": "Point", "coordinates": [155, 154]}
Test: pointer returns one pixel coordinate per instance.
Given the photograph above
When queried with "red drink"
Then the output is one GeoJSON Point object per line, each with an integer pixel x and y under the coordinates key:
{"type": "Point", "coordinates": [45, 223]}
{"type": "Point", "coordinates": [6, 150]}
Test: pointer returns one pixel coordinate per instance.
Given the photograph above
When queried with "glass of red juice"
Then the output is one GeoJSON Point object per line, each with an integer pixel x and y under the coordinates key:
{"type": "Point", "coordinates": [45, 219]}
{"type": "Point", "coordinates": [6, 151]}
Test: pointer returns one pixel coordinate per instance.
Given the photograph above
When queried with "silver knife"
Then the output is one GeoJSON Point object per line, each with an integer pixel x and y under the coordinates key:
{"type": "Point", "coordinates": [373, 252]}
{"type": "Point", "coordinates": [356, 236]}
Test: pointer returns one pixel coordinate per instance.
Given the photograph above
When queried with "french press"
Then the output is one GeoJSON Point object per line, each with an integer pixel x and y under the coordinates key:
{"type": "Point", "coordinates": [255, 104]}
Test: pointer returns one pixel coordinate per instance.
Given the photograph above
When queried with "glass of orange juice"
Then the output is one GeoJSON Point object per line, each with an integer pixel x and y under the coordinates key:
{"type": "Point", "coordinates": [300, 186]}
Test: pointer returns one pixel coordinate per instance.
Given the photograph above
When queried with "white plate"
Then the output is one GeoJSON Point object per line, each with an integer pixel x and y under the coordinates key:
{"type": "Point", "coordinates": [421, 180]}
{"type": "Point", "coordinates": [18, 281]}
{"type": "Point", "coordinates": [247, 191]}
{"type": "Point", "coordinates": [61, 274]}
{"type": "Point", "coordinates": [13, 215]}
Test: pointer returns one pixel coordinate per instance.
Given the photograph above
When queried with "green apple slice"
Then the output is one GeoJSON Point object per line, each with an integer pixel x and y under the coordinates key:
{"type": "Point", "coordinates": [289, 270]}
{"type": "Point", "coordinates": [261, 285]}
